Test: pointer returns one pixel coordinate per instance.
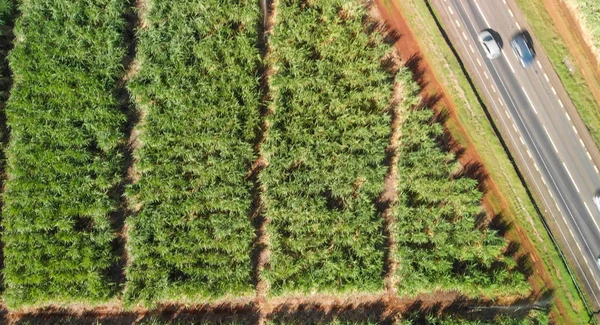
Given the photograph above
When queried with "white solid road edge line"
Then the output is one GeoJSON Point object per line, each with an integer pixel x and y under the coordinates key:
{"type": "Point", "coordinates": [591, 215]}
{"type": "Point", "coordinates": [550, 138]}
{"type": "Point", "coordinates": [571, 177]}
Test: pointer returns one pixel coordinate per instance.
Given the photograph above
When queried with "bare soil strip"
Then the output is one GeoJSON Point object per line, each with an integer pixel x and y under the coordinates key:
{"type": "Point", "coordinates": [260, 249]}
{"type": "Point", "coordinates": [313, 309]}
{"type": "Point", "coordinates": [117, 272]}
{"type": "Point", "coordinates": [389, 196]}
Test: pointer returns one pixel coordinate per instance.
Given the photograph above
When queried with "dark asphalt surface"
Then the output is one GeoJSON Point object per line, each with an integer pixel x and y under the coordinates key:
{"type": "Point", "coordinates": [532, 111]}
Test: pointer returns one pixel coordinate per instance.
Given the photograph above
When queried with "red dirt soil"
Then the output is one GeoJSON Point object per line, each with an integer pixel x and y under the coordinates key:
{"type": "Point", "coordinates": [409, 48]}
{"type": "Point", "coordinates": [570, 31]}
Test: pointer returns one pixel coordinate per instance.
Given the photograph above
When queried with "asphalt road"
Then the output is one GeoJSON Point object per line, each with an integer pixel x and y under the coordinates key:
{"type": "Point", "coordinates": [540, 125]}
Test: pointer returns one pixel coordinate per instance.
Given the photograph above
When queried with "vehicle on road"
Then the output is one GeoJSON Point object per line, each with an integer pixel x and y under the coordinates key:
{"type": "Point", "coordinates": [489, 44]}
{"type": "Point", "coordinates": [596, 200]}
{"type": "Point", "coordinates": [523, 50]}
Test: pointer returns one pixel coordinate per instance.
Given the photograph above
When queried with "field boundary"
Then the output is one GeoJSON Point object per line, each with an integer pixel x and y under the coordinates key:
{"type": "Point", "coordinates": [380, 308]}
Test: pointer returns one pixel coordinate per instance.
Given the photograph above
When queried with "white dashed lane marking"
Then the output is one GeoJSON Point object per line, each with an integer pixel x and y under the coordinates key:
{"type": "Point", "coordinates": [571, 177]}
{"type": "Point", "coordinates": [550, 138]}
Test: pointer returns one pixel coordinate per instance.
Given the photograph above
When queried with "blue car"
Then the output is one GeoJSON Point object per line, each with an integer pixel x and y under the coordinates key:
{"type": "Point", "coordinates": [522, 49]}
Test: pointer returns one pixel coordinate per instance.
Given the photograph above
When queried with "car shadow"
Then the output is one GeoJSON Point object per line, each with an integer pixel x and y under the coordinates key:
{"type": "Point", "coordinates": [529, 41]}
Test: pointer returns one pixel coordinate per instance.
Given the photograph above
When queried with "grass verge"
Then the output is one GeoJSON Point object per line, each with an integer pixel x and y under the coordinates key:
{"type": "Point", "coordinates": [480, 134]}
{"type": "Point", "coordinates": [558, 52]}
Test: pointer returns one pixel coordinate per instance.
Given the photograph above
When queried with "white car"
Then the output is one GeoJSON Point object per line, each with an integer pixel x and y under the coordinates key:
{"type": "Point", "coordinates": [596, 200]}
{"type": "Point", "coordinates": [489, 44]}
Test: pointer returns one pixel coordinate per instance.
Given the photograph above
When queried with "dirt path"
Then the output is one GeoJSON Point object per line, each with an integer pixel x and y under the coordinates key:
{"type": "Point", "coordinates": [312, 309]}
{"type": "Point", "coordinates": [261, 245]}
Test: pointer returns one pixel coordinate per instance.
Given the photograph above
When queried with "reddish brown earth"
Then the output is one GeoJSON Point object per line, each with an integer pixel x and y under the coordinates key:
{"type": "Point", "coordinates": [410, 52]}
{"type": "Point", "coordinates": [571, 33]}
{"type": "Point", "coordinates": [312, 309]}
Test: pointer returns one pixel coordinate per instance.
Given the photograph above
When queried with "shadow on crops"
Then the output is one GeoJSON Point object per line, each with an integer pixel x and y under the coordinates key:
{"type": "Point", "coordinates": [464, 308]}
{"type": "Point", "coordinates": [315, 313]}
{"type": "Point", "coordinates": [501, 224]}
{"type": "Point", "coordinates": [6, 82]}
{"type": "Point", "coordinates": [475, 170]}
{"type": "Point", "coordinates": [173, 314]}
{"type": "Point", "coordinates": [116, 272]}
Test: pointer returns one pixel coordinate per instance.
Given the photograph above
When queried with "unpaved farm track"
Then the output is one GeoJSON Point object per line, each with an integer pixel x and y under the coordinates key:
{"type": "Point", "coordinates": [315, 309]}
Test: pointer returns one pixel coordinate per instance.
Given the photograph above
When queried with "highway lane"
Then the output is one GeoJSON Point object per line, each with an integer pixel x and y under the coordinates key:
{"type": "Point", "coordinates": [531, 111]}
